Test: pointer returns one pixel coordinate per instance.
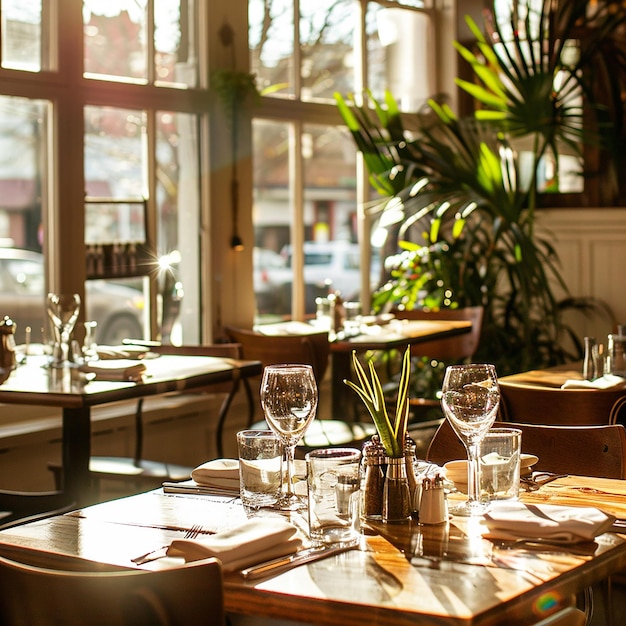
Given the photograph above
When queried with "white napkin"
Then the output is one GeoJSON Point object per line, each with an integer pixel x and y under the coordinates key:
{"type": "Point", "coordinates": [546, 522]}
{"type": "Point", "coordinates": [256, 540]}
{"type": "Point", "coordinates": [608, 381]}
{"type": "Point", "coordinates": [221, 473]}
{"type": "Point", "coordinates": [115, 370]}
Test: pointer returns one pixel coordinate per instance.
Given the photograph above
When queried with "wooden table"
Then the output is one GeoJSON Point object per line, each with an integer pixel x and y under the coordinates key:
{"type": "Point", "coordinates": [35, 385]}
{"type": "Point", "coordinates": [536, 397]}
{"type": "Point", "coordinates": [396, 334]}
{"type": "Point", "coordinates": [402, 574]}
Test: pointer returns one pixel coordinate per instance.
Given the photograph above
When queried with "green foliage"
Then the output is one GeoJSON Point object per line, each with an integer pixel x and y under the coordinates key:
{"type": "Point", "coordinates": [392, 433]}
{"type": "Point", "coordinates": [462, 223]}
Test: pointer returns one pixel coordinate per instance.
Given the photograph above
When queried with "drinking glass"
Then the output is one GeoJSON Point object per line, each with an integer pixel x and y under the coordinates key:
{"type": "Point", "coordinates": [470, 399]}
{"type": "Point", "coordinates": [63, 312]}
{"type": "Point", "coordinates": [289, 400]}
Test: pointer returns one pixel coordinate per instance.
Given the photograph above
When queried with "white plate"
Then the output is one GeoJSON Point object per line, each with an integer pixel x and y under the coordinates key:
{"type": "Point", "coordinates": [456, 471]}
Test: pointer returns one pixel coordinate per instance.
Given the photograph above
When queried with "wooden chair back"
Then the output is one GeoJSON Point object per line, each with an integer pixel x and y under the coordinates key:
{"type": "Point", "coordinates": [312, 349]}
{"type": "Point", "coordinates": [450, 348]}
{"type": "Point", "coordinates": [579, 450]}
{"type": "Point", "coordinates": [35, 596]}
{"type": "Point", "coordinates": [534, 404]}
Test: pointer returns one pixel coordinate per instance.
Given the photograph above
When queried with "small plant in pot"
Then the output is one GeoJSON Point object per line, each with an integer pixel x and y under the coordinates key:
{"type": "Point", "coordinates": [397, 494]}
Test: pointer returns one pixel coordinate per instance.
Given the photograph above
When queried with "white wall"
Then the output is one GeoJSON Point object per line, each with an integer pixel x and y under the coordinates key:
{"type": "Point", "coordinates": [591, 245]}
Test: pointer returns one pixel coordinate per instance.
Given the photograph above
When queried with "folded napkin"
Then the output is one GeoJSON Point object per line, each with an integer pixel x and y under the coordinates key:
{"type": "Point", "coordinates": [115, 370]}
{"type": "Point", "coordinates": [608, 381]}
{"type": "Point", "coordinates": [218, 473]}
{"type": "Point", "coordinates": [546, 522]}
{"type": "Point", "coordinates": [254, 541]}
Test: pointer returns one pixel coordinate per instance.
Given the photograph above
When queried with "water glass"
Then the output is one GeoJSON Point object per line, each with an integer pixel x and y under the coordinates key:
{"type": "Point", "coordinates": [352, 318]}
{"type": "Point", "coordinates": [616, 357]}
{"type": "Point", "coordinates": [333, 496]}
{"type": "Point", "coordinates": [499, 464]}
{"type": "Point", "coordinates": [260, 469]}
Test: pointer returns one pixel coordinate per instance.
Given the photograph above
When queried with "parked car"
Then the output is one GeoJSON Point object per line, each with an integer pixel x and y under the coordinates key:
{"type": "Point", "coordinates": [118, 309]}
{"type": "Point", "coordinates": [333, 265]}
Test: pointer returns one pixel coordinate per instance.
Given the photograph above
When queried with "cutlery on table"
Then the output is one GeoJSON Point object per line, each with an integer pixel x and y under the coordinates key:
{"type": "Point", "coordinates": [159, 553]}
{"type": "Point", "coordinates": [284, 563]}
{"type": "Point", "coordinates": [538, 479]}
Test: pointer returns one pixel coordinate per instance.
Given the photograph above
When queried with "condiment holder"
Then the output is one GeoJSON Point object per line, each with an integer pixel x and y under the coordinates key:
{"type": "Point", "coordinates": [433, 505]}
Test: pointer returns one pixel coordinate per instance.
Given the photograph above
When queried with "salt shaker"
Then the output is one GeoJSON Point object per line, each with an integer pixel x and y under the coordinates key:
{"type": "Point", "coordinates": [433, 506]}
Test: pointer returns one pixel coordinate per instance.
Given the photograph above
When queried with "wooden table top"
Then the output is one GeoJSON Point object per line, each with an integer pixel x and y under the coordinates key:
{"type": "Point", "coordinates": [402, 573]}
{"type": "Point", "coordinates": [393, 334]}
{"type": "Point", "coordinates": [34, 384]}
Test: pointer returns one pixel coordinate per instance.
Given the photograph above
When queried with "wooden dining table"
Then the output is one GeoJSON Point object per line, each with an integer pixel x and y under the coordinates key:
{"type": "Point", "coordinates": [76, 394]}
{"type": "Point", "coordinates": [399, 574]}
{"type": "Point", "coordinates": [393, 334]}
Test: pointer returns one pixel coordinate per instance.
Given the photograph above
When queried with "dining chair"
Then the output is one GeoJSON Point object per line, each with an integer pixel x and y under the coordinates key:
{"type": "Point", "coordinates": [145, 473]}
{"type": "Point", "coordinates": [598, 450]}
{"type": "Point", "coordinates": [37, 596]}
{"type": "Point", "coordinates": [311, 349]}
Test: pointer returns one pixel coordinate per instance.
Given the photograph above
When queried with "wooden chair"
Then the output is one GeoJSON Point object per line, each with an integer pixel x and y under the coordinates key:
{"type": "Point", "coordinates": [311, 349]}
{"type": "Point", "coordinates": [579, 450]}
{"type": "Point", "coordinates": [534, 404]}
{"type": "Point", "coordinates": [35, 596]}
{"type": "Point", "coordinates": [146, 473]}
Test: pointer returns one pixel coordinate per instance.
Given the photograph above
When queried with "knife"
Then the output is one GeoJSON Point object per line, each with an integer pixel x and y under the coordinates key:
{"type": "Point", "coordinates": [284, 563]}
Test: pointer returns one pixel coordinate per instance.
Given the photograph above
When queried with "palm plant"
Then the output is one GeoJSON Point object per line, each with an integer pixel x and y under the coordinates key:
{"type": "Point", "coordinates": [456, 181]}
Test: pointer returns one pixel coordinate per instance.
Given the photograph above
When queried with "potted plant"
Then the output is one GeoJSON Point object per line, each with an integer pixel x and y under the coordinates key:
{"type": "Point", "coordinates": [399, 481]}
{"type": "Point", "coordinates": [456, 208]}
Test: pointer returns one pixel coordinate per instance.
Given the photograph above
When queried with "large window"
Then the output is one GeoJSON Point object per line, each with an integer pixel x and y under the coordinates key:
{"type": "Point", "coordinates": [307, 184]}
{"type": "Point", "coordinates": [116, 154]}
{"type": "Point", "coordinates": [137, 184]}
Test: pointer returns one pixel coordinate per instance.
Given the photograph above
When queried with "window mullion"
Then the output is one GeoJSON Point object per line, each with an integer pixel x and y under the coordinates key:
{"type": "Point", "coordinates": [297, 220]}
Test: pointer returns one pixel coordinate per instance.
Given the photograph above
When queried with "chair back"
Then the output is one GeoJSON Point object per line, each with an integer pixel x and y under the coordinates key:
{"type": "Point", "coordinates": [311, 349]}
{"type": "Point", "coordinates": [578, 450]}
{"type": "Point", "coordinates": [534, 404]}
{"type": "Point", "coordinates": [36, 596]}
{"type": "Point", "coordinates": [455, 348]}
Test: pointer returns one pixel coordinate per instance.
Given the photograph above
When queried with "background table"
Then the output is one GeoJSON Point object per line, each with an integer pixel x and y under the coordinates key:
{"type": "Point", "coordinates": [396, 335]}
{"type": "Point", "coordinates": [66, 388]}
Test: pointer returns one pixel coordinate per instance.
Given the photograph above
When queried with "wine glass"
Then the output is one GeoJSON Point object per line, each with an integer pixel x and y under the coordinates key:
{"type": "Point", "coordinates": [63, 312]}
{"type": "Point", "coordinates": [289, 401]}
{"type": "Point", "coordinates": [470, 399]}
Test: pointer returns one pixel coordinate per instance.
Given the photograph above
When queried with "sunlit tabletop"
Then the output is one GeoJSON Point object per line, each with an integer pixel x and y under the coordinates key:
{"type": "Point", "coordinates": [401, 573]}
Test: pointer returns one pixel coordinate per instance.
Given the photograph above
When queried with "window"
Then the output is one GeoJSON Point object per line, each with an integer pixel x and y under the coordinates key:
{"type": "Point", "coordinates": [307, 183]}
{"type": "Point", "coordinates": [138, 158]}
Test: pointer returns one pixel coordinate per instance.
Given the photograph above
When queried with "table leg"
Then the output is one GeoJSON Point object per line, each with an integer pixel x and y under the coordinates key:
{"type": "Point", "coordinates": [341, 400]}
{"type": "Point", "coordinates": [76, 451]}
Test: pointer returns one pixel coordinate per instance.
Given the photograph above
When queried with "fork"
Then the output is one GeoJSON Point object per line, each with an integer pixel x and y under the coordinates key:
{"type": "Point", "coordinates": [159, 553]}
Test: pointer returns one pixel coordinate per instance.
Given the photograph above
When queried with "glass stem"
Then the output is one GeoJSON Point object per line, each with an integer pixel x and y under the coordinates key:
{"type": "Point", "coordinates": [289, 455]}
{"type": "Point", "coordinates": [65, 345]}
{"type": "Point", "coordinates": [473, 477]}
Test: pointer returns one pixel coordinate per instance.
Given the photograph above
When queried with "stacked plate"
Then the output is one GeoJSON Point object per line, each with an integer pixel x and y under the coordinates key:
{"type": "Point", "coordinates": [456, 471]}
